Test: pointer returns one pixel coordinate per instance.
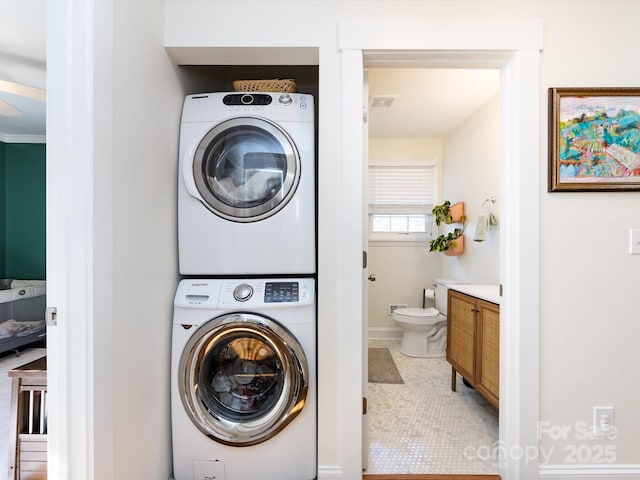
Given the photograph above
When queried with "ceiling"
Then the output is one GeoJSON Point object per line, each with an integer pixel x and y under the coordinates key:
{"type": "Point", "coordinates": [427, 102]}
{"type": "Point", "coordinates": [23, 56]}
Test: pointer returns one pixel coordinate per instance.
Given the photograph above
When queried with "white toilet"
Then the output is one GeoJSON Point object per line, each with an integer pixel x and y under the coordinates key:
{"type": "Point", "coordinates": [425, 329]}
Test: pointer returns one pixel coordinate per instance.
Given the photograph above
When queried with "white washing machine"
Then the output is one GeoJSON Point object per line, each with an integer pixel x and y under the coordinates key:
{"type": "Point", "coordinates": [243, 379]}
{"type": "Point", "coordinates": [246, 186]}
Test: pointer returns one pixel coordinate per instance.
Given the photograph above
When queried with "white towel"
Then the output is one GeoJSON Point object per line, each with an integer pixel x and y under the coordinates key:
{"type": "Point", "coordinates": [484, 223]}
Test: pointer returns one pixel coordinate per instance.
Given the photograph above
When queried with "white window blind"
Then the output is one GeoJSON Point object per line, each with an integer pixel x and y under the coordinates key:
{"type": "Point", "coordinates": [400, 202]}
{"type": "Point", "coordinates": [401, 189]}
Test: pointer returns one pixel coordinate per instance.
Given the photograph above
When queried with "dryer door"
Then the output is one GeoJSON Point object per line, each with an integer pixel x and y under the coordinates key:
{"type": "Point", "coordinates": [246, 169]}
{"type": "Point", "coordinates": [242, 378]}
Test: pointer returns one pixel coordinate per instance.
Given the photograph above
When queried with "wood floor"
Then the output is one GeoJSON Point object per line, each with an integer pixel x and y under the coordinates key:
{"type": "Point", "coordinates": [428, 477]}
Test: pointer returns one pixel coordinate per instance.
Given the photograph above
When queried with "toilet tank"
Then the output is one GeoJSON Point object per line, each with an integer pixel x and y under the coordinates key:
{"type": "Point", "coordinates": [441, 288]}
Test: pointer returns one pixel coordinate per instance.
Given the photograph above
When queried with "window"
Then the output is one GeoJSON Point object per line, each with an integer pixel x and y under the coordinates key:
{"type": "Point", "coordinates": [400, 202]}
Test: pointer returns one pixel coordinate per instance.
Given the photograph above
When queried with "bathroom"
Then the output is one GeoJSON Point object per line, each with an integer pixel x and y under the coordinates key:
{"type": "Point", "coordinates": [466, 155]}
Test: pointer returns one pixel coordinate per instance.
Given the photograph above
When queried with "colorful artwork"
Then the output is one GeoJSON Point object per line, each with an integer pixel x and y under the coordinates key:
{"type": "Point", "coordinates": [594, 139]}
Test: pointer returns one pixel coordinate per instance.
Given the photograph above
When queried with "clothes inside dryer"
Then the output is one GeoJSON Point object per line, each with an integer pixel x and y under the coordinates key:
{"type": "Point", "coordinates": [246, 167]}
{"type": "Point", "coordinates": [248, 182]}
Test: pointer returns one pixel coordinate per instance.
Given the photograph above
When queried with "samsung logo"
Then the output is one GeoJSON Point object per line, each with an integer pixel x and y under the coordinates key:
{"type": "Point", "coordinates": [199, 284]}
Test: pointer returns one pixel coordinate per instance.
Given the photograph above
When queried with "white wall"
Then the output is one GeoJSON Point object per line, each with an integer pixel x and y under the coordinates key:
{"type": "Point", "coordinates": [574, 226]}
{"type": "Point", "coordinates": [589, 288]}
{"type": "Point", "coordinates": [401, 274]}
{"type": "Point", "coordinates": [588, 323]}
{"type": "Point", "coordinates": [402, 270]}
{"type": "Point", "coordinates": [146, 114]}
{"type": "Point", "coordinates": [471, 174]}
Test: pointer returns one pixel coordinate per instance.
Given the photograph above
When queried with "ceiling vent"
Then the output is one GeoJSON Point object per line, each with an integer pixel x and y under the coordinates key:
{"type": "Point", "coordinates": [382, 101]}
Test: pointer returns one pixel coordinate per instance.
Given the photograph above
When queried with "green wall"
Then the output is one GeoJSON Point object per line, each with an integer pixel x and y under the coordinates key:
{"type": "Point", "coordinates": [24, 223]}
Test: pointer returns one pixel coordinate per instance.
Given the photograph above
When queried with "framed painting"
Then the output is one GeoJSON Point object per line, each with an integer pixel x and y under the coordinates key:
{"type": "Point", "coordinates": [594, 139]}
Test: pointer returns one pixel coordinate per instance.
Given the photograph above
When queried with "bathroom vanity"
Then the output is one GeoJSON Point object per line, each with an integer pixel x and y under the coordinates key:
{"type": "Point", "coordinates": [473, 338]}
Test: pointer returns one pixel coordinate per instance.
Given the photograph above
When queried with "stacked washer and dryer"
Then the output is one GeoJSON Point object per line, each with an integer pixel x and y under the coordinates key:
{"type": "Point", "coordinates": [243, 366]}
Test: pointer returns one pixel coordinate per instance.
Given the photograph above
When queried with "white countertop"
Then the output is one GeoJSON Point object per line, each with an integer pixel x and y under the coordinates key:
{"type": "Point", "coordinates": [490, 293]}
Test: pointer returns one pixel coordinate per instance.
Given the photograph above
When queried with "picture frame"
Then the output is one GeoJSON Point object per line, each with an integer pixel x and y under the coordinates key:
{"type": "Point", "coordinates": [594, 139]}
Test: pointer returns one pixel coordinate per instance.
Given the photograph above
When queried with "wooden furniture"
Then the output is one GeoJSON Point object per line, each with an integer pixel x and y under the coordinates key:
{"type": "Point", "coordinates": [473, 343]}
{"type": "Point", "coordinates": [28, 422]}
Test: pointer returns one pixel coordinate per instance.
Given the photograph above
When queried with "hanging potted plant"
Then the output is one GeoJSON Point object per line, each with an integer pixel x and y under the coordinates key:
{"type": "Point", "coordinates": [447, 213]}
{"type": "Point", "coordinates": [450, 244]}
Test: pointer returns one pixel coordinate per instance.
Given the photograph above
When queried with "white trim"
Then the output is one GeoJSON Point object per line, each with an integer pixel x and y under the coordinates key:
{"type": "Point", "coordinates": [330, 472]}
{"type": "Point", "coordinates": [384, 333]}
{"type": "Point", "coordinates": [101, 383]}
{"type": "Point", "coordinates": [405, 243]}
{"type": "Point", "coordinates": [410, 34]}
{"type": "Point", "coordinates": [519, 269]}
{"type": "Point", "coordinates": [589, 472]}
{"type": "Point", "coordinates": [466, 42]}
{"type": "Point", "coordinates": [10, 138]}
{"type": "Point", "coordinates": [351, 277]}
{"type": "Point", "coordinates": [72, 243]}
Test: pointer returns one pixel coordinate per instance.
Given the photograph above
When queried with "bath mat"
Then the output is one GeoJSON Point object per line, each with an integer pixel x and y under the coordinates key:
{"type": "Point", "coordinates": [382, 368]}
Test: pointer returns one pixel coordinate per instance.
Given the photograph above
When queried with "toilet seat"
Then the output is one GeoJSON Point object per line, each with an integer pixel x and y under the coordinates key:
{"type": "Point", "coordinates": [419, 316]}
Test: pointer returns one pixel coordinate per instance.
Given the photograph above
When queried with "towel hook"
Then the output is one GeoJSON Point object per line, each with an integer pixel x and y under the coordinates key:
{"type": "Point", "coordinates": [491, 200]}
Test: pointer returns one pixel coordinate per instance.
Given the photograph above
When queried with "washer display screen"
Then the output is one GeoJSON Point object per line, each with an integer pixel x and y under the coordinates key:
{"type": "Point", "coordinates": [275, 292]}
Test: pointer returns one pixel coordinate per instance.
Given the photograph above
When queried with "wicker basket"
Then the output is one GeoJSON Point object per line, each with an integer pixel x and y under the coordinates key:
{"type": "Point", "coordinates": [288, 86]}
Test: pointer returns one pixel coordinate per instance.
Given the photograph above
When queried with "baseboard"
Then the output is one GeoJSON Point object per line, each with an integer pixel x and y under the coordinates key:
{"type": "Point", "coordinates": [329, 472]}
{"type": "Point", "coordinates": [384, 333]}
{"type": "Point", "coordinates": [324, 473]}
{"type": "Point", "coordinates": [589, 472]}
{"type": "Point", "coordinates": [8, 138]}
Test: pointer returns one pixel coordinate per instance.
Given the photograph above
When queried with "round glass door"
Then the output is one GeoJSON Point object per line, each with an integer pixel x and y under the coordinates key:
{"type": "Point", "coordinates": [246, 169]}
{"type": "Point", "coordinates": [242, 378]}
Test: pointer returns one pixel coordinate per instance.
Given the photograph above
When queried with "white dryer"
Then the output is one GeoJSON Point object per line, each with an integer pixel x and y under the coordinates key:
{"type": "Point", "coordinates": [243, 379]}
{"type": "Point", "coordinates": [246, 186]}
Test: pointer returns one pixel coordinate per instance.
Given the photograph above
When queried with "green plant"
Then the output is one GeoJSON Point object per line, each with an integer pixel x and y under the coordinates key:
{"type": "Point", "coordinates": [447, 213]}
{"type": "Point", "coordinates": [446, 241]}
{"type": "Point", "coordinates": [442, 213]}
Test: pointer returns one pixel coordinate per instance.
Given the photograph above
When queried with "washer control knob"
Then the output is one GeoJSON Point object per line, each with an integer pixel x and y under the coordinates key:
{"type": "Point", "coordinates": [285, 99]}
{"type": "Point", "coordinates": [242, 292]}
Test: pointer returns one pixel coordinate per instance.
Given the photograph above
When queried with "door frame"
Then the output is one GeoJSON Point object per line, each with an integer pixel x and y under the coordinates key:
{"type": "Point", "coordinates": [79, 240]}
{"type": "Point", "coordinates": [514, 47]}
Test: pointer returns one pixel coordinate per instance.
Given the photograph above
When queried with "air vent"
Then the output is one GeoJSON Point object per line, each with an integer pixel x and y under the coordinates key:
{"type": "Point", "coordinates": [382, 101]}
{"type": "Point", "coordinates": [395, 306]}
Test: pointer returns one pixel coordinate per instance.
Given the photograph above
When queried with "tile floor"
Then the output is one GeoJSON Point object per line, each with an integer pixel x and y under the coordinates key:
{"type": "Point", "coordinates": [422, 426]}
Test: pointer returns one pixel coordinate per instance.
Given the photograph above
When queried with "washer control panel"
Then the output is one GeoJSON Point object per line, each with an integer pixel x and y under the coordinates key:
{"type": "Point", "coordinates": [281, 292]}
{"type": "Point", "coordinates": [274, 292]}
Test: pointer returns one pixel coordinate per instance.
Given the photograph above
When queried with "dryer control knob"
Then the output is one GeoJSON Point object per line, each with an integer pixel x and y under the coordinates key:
{"type": "Point", "coordinates": [242, 292]}
{"type": "Point", "coordinates": [285, 99]}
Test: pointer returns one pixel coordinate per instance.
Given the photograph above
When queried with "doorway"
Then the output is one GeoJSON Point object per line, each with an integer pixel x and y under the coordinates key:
{"type": "Point", "coordinates": [445, 119]}
{"type": "Point", "coordinates": [513, 46]}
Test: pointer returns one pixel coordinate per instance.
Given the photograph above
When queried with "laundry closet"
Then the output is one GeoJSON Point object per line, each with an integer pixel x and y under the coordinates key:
{"type": "Point", "coordinates": [244, 361]}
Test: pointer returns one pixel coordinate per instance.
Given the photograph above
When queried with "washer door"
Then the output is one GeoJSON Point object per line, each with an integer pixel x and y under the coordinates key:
{"type": "Point", "coordinates": [246, 169]}
{"type": "Point", "coordinates": [242, 378]}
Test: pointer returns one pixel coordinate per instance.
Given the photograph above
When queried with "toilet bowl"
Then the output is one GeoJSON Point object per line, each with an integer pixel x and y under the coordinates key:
{"type": "Point", "coordinates": [425, 329]}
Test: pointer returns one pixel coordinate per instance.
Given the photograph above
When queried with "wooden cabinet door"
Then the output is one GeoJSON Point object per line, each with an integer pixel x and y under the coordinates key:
{"type": "Point", "coordinates": [488, 351]}
{"type": "Point", "coordinates": [461, 314]}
